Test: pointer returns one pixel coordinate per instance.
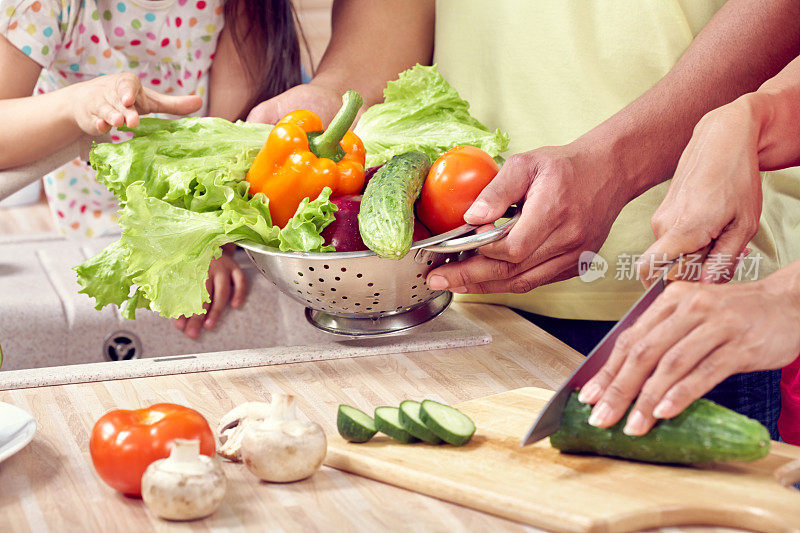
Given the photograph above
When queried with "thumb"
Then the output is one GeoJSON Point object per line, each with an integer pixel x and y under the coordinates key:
{"type": "Point", "coordinates": [266, 112]}
{"type": "Point", "coordinates": [507, 187]}
{"type": "Point", "coordinates": [155, 102]}
{"type": "Point", "coordinates": [674, 243]}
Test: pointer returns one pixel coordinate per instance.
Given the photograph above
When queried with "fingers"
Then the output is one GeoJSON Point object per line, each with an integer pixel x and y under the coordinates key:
{"type": "Point", "coordinates": [702, 378]}
{"type": "Point", "coordinates": [481, 275]}
{"type": "Point", "coordinates": [193, 326]}
{"type": "Point", "coordinates": [532, 239]}
{"type": "Point", "coordinates": [127, 89]}
{"type": "Point", "coordinates": [596, 387]}
{"type": "Point", "coordinates": [670, 245]}
{"type": "Point", "coordinates": [150, 101]}
{"type": "Point", "coordinates": [507, 187]}
{"type": "Point", "coordinates": [239, 287]}
{"type": "Point", "coordinates": [673, 367]}
{"type": "Point", "coordinates": [222, 293]}
{"type": "Point", "coordinates": [722, 259]}
{"type": "Point", "coordinates": [180, 322]}
{"type": "Point", "coordinates": [640, 348]}
{"type": "Point", "coordinates": [556, 269]}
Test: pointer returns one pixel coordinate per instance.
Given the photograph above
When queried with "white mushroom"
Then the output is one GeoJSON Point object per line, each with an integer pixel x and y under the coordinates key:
{"type": "Point", "coordinates": [232, 427]}
{"type": "Point", "coordinates": [282, 448]}
{"type": "Point", "coordinates": [185, 485]}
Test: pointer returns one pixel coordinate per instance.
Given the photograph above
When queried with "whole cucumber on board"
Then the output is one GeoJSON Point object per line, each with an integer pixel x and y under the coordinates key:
{"type": "Point", "coordinates": [386, 218]}
{"type": "Point", "coordinates": [704, 432]}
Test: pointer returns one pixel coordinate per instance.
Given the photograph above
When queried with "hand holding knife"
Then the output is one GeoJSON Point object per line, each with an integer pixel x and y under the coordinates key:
{"type": "Point", "coordinates": [549, 418]}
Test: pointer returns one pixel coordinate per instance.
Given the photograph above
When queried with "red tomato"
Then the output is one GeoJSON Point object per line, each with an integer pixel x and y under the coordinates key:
{"type": "Point", "coordinates": [453, 183]}
{"type": "Point", "coordinates": [124, 443]}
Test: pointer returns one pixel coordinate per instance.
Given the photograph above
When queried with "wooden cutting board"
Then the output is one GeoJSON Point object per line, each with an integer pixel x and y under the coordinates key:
{"type": "Point", "coordinates": [539, 486]}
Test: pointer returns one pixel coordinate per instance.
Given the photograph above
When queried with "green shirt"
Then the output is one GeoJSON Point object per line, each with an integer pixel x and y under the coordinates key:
{"type": "Point", "coordinates": [547, 71]}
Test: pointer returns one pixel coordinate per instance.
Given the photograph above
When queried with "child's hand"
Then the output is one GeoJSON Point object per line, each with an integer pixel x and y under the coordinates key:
{"type": "Point", "coordinates": [117, 99]}
{"type": "Point", "coordinates": [224, 277]}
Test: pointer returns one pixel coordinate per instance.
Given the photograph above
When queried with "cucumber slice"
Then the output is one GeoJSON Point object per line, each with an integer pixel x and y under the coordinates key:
{"type": "Point", "coordinates": [387, 420]}
{"type": "Point", "coordinates": [409, 419]}
{"type": "Point", "coordinates": [447, 423]}
{"type": "Point", "coordinates": [354, 425]}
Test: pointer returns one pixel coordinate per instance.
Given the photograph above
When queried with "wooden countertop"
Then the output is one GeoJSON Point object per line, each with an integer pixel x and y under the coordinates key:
{"type": "Point", "coordinates": [51, 484]}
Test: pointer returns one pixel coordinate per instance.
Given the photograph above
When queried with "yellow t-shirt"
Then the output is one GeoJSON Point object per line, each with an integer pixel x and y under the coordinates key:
{"type": "Point", "coordinates": [550, 70]}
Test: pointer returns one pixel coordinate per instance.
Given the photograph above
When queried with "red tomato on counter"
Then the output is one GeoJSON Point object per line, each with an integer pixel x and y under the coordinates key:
{"type": "Point", "coordinates": [454, 181]}
{"type": "Point", "coordinates": [124, 443]}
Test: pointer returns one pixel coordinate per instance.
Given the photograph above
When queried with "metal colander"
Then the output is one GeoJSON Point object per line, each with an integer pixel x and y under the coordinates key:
{"type": "Point", "coordinates": [359, 293]}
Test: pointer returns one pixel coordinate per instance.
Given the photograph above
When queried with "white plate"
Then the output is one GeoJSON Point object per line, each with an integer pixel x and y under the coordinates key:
{"type": "Point", "coordinates": [16, 430]}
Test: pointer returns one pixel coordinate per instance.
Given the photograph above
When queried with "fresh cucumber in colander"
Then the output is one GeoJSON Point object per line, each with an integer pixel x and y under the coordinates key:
{"type": "Point", "coordinates": [386, 217]}
{"type": "Point", "coordinates": [447, 423]}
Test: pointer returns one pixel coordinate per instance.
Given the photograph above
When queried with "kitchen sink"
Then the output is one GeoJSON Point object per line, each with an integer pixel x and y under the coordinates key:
{"type": "Point", "coordinates": [45, 322]}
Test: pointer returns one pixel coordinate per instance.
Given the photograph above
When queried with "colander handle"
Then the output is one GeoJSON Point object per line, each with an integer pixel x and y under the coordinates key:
{"type": "Point", "coordinates": [470, 242]}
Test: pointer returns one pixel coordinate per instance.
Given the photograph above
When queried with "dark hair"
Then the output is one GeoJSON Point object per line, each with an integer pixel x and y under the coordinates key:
{"type": "Point", "coordinates": [268, 34]}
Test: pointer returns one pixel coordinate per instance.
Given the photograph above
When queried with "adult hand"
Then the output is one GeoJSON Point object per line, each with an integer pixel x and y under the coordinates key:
{"type": "Point", "coordinates": [226, 282]}
{"type": "Point", "coordinates": [715, 196]}
{"type": "Point", "coordinates": [569, 207]}
{"type": "Point", "coordinates": [691, 338]}
{"type": "Point", "coordinates": [321, 99]}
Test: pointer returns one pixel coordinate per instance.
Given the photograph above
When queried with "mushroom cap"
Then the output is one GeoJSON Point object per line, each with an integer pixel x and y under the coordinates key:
{"type": "Point", "coordinates": [285, 450]}
{"type": "Point", "coordinates": [183, 491]}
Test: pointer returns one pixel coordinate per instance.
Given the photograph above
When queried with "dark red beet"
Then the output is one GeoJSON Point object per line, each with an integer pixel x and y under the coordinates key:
{"type": "Point", "coordinates": [420, 232]}
{"type": "Point", "coordinates": [343, 232]}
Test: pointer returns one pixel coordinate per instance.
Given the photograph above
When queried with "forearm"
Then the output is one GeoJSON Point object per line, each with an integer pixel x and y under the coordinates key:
{"type": "Point", "coordinates": [35, 126]}
{"type": "Point", "coordinates": [731, 56]}
{"type": "Point", "coordinates": [363, 30]}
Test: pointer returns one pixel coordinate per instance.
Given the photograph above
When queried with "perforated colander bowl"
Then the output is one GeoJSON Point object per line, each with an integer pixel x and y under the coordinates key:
{"type": "Point", "coordinates": [359, 293]}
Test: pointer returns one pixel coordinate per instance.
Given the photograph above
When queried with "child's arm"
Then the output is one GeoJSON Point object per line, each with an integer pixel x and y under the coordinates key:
{"type": "Point", "coordinates": [229, 85]}
{"type": "Point", "coordinates": [34, 126]}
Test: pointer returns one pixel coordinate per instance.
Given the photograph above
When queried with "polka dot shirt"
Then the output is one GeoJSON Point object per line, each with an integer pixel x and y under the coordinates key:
{"type": "Point", "coordinates": [169, 44]}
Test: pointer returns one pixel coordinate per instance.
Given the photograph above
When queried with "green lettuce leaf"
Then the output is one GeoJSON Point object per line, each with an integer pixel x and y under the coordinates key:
{"type": "Point", "coordinates": [183, 195]}
{"type": "Point", "coordinates": [421, 111]}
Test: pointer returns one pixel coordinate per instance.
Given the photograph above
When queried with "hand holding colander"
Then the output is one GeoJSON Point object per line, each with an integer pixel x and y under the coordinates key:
{"type": "Point", "coordinates": [359, 293]}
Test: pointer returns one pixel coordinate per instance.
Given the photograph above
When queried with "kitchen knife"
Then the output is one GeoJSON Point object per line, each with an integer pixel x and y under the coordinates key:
{"type": "Point", "coordinates": [549, 418]}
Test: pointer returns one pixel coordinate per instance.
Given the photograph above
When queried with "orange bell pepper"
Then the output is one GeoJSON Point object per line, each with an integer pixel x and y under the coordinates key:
{"type": "Point", "coordinates": [298, 159]}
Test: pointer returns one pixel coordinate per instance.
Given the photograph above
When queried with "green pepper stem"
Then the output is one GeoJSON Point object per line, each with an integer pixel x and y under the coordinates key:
{"type": "Point", "coordinates": [327, 143]}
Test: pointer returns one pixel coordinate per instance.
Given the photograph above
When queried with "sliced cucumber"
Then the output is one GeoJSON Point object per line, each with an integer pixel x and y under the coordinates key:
{"type": "Point", "coordinates": [409, 419]}
{"type": "Point", "coordinates": [447, 423]}
{"type": "Point", "coordinates": [387, 420]}
{"type": "Point", "coordinates": [354, 425]}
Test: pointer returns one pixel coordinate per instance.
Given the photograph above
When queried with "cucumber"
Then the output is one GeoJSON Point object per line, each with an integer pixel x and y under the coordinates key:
{"type": "Point", "coordinates": [704, 432]}
{"type": "Point", "coordinates": [387, 420]}
{"type": "Point", "coordinates": [409, 419]}
{"type": "Point", "coordinates": [386, 217]}
{"type": "Point", "coordinates": [447, 423]}
{"type": "Point", "coordinates": [354, 425]}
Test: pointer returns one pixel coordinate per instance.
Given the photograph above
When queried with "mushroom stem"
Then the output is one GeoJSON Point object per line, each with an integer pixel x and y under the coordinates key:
{"type": "Point", "coordinates": [185, 450]}
{"type": "Point", "coordinates": [283, 407]}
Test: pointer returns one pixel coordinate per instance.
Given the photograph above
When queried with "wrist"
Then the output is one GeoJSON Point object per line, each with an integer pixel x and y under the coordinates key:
{"type": "Point", "coordinates": [69, 105]}
{"type": "Point", "coordinates": [597, 154]}
{"type": "Point", "coordinates": [785, 283]}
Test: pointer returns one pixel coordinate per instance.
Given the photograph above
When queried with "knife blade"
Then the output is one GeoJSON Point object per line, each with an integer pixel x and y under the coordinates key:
{"type": "Point", "coordinates": [549, 418]}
